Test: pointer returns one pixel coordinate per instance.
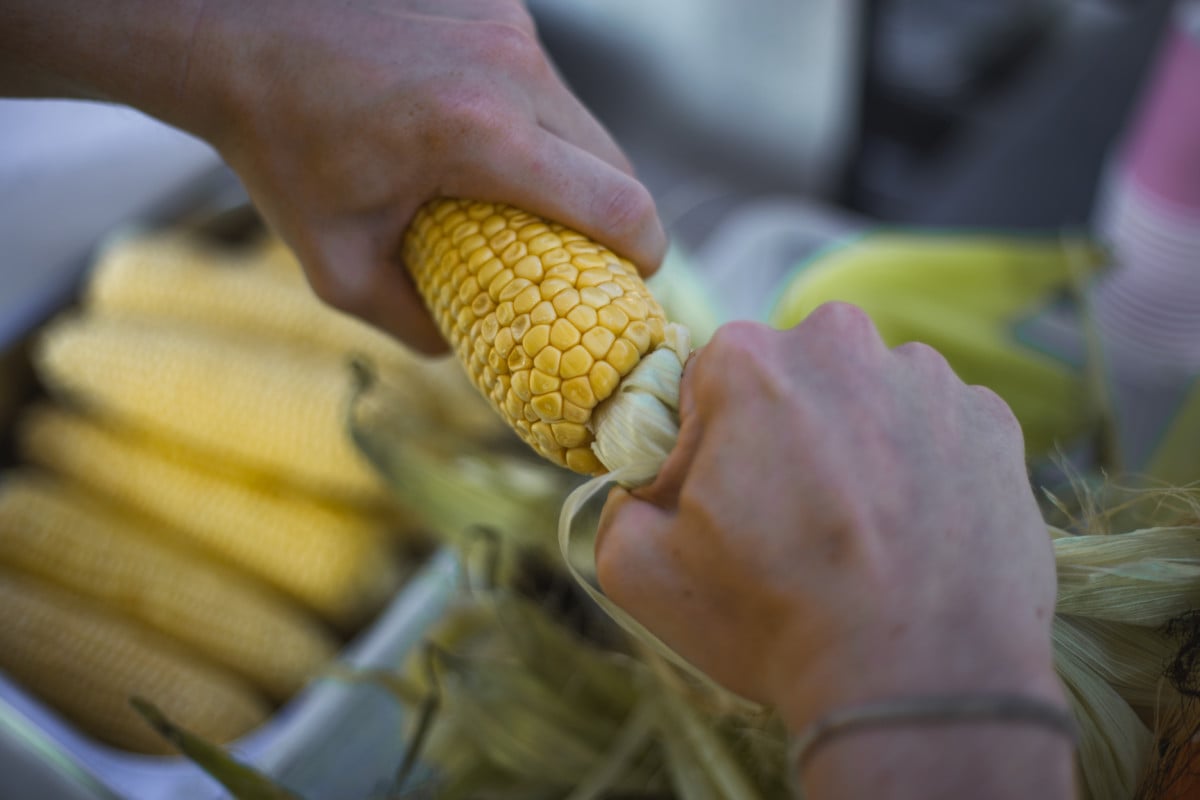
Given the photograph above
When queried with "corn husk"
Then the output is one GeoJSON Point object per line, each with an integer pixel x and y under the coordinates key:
{"type": "Point", "coordinates": [1136, 568]}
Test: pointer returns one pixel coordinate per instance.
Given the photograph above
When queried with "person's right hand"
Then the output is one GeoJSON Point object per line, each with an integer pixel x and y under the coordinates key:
{"type": "Point", "coordinates": [342, 119]}
{"type": "Point", "coordinates": [840, 523]}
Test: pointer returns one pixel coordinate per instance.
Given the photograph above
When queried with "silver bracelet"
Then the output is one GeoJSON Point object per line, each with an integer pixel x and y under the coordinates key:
{"type": "Point", "coordinates": [932, 710]}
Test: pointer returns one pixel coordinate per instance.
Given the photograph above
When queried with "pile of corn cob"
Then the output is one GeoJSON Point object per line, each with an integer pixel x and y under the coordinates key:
{"type": "Point", "coordinates": [188, 519]}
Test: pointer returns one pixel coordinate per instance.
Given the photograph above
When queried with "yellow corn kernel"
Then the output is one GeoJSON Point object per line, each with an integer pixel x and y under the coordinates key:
{"type": "Point", "coordinates": [594, 296]}
{"type": "Point", "coordinates": [54, 530]}
{"type": "Point", "coordinates": [272, 407]}
{"type": "Point", "coordinates": [334, 560]}
{"type": "Point", "coordinates": [87, 661]}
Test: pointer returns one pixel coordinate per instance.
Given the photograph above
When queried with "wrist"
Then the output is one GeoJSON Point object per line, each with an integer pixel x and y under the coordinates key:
{"type": "Point", "coordinates": [977, 722]}
{"type": "Point", "coordinates": [843, 680]}
{"type": "Point", "coordinates": [987, 759]}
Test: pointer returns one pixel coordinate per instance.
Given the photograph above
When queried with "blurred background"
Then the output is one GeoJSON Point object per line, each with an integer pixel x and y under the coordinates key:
{"type": "Point", "coordinates": [942, 112]}
{"type": "Point", "coordinates": [768, 129]}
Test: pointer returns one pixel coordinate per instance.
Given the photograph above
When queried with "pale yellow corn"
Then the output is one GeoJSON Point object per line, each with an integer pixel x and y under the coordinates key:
{"type": "Point", "coordinates": [335, 561]}
{"type": "Point", "coordinates": [270, 407]}
{"type": "Point", "coordinates": [86, 661]}
{"type": "Point", "coordinates": [52, 529]}
{"type": "Point", "coordinates": [174, 276]}
{"type": "Point", "coordinates": [546, 321]}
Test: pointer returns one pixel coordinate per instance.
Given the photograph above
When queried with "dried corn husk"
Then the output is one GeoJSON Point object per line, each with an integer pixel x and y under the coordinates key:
{"type": "Point", "coordinates": [1117, 587]}
{"type": "Point", "coordinates": [1133, 570]}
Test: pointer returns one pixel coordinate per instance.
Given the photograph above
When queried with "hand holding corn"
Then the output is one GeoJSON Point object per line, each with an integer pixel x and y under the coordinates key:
{"type": "Point", "coordinates": [842, 523]}
{"type": "Point", "coordinates": [342, 121]}
{"type": "Point", "coordinates": [556, 330]}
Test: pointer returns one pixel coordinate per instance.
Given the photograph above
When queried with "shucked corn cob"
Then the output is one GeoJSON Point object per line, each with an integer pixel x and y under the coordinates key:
{"type": "Point", "coordinates": [547, 322]}
{"type": "Point", "coordinates": [335, 561]}
{"type": "Point", "coordinates": [51, 529]}
{"type": "Point", "coordinates": [268, 406]}
{"type": "Point", "coordinates": [175, 277]}
{"type": "Point", "coordinates": [87, 662]}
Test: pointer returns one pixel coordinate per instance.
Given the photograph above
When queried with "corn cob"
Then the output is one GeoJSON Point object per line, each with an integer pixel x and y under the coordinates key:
{"type": "Point", "coordinates": [174, 277]}
{"type": "Point", "coordinates": [337, 562]}
{"type": "Point", "coordinates": [53, 530]}
{"type": "Point", "coordinates": [270, 407]}
{"type": "Point", "coordinates": [547, 322]}
{"type": "Point", "coordinates": [87, 661]}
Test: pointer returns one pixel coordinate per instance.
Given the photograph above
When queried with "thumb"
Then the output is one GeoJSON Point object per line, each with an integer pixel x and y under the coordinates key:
{"type": "Point", "coordinates": [627, 540]}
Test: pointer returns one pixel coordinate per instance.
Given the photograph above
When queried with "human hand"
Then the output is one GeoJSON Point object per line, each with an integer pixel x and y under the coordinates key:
{"type": "Point", "coordinates": [839, 523]}
{"type": "Point", "coordinates": [342, 119]}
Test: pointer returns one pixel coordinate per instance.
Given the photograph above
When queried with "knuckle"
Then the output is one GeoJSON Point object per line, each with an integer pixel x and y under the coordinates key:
{"type": "Point", "coordinates": [469, 124]}
{"type": "Point", "coordinates": [737, 355]}
{"type": "Point", "coordinates": [465, 109]}
{"type": "Point", "coordinates": [626, 209]}
{"type": "Point", "coordinates": [845, 320]}
{"type": "Point", "coordinates": [838, 335]}
{"type": "Point", "coordinates": [994, 406]}
{"type": "Point", "coordinates": [924, 355]}
{"type": "Point", "coordinates": [738, 340]}
{"type": "Point", "coordinates": [511, 44]}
